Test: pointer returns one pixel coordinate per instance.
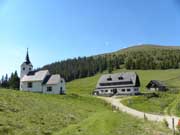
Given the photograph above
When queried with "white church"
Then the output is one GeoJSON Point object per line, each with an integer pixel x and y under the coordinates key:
{"type": "Point", "coordinates": [40, 81]}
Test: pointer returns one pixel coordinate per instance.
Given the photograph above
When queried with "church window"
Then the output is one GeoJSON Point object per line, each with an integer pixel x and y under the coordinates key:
{"type": "Point", "coordinates": [30, 69]}
{"type": "Point", "coordinates": [29, 84]}
{"type": "Point", "coordinates": [23, 68]}
{"type": "Point", "coordinates": [49, 89]}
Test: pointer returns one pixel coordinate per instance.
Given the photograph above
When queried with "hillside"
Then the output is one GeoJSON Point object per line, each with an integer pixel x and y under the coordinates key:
{"type": "Point", "coordinates": [24, 113]}
{"type": "Point", "coordinates": [166, 103]}
{"type": "Point", "coordinates": [146, 47]}
{"type": "Point", "coordinates": [80, 113]}
{"type": "Point", "coordinates": [170, 77]}
{"type": "Point", "coordinates": [137, 57]}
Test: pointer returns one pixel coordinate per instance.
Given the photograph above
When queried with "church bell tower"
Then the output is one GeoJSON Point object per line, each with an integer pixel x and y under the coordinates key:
{"type": "Point", "coordinates": [26, 66]}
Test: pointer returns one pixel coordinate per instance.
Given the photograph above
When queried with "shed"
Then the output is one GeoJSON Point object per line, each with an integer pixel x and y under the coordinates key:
{"type": "Point", "coordinates": [156, 85]}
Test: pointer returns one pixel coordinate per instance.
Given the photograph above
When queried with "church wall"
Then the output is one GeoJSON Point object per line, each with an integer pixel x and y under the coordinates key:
{"type": "Point", "coordinates": [55, 88]}
{"type": "Point", "coordinates": [36, 87]}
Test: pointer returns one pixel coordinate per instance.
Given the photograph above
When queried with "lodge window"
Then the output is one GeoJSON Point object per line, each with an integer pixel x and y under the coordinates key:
{"type": "Point", "coordinates": [49, 89]}
{"type": "Point", "coordinates": [135, 89]}
{"type": "Point", "coordinates": [115, 83]}
{"type": "Point", "coordinates": [128, 90]}
{"type": "Point", "coordinates": [123, 90]}
{"type": "Point", "coordinates": [29, 84]}
{"type": "Point", "coordinates": [106, 90]}
{"type": "Point", "coordinates": [109, 78]}
{"type": "Point", "coordinates": [120, 78]}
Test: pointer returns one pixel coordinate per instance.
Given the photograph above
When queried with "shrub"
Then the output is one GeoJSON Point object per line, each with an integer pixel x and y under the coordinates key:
{"type": "Point", "coordinates": [166, 123]}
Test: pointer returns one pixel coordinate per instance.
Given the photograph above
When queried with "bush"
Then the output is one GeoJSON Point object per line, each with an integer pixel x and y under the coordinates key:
{"type": "Point", "coordinates": [166, 123]}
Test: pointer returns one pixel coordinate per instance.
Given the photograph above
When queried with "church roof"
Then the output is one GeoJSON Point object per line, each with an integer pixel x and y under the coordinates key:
{"type": "Point", "coordinates": [52, 79]}
{"type": "Point", "coordinates": [27, 59]}
{"type": "Point", "coordinates": [37, 76]}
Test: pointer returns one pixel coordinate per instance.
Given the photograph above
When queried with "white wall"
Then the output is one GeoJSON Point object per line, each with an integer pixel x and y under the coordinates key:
{"type": "Point", "coordinates": [55, 88]}
{"type": "Point", "coordinates": [133, 90]}
{"type": "Point", "coordinates": [36, 87]}
{"type": "Point", "coordinates": [28, 68]}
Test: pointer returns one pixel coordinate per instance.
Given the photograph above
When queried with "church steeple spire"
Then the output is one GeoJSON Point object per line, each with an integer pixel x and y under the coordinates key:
{"type": "Point", "coordinates": [27, 57]}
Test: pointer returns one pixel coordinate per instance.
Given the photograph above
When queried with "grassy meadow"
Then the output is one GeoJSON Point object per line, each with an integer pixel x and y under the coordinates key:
{"type": "Point", "coordinates": [165, 103]}
{"type": "Point", "coordinates": [25, 113]}
{"type": "Point", "coordinates": [77, 113]}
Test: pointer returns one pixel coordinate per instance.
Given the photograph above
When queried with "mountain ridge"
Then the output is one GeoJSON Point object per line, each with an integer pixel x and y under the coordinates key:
{"type": "Point", "coordinates": [148, 46]}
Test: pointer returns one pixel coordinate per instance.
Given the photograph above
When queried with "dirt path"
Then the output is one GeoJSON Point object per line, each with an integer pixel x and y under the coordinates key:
{"type": "Point", "coordinates": [152, 117]}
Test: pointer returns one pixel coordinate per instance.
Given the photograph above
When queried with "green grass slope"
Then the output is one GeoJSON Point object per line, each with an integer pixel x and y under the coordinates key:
{"type": "Point", "coordinates": [77, 113]}
{"type": "Point", "coordinates": [86, 85]}
{"type": "Point", "coordinates": [166, 103]}
{"type": "Point", "coordinates": [114, 123]}
{"type": "Point", "coordinates": [23, 113]}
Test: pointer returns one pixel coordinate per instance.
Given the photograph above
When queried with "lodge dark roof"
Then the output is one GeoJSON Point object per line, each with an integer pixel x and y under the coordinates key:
{"type": "Point", "coordinates": [125, 79]}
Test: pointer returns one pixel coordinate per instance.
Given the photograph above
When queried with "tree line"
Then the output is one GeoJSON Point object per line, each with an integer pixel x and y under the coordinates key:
{"type": "Point", "coordinates": [84, 66]}
{"type": "Point", "coordinates": [11, 82]}
{"type": "Point", "coordinates": [142, 59]}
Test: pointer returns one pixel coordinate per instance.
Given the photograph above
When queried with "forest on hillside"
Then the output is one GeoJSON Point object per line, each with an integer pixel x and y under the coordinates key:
{"type": "Point", "coordinates": [85, 66]}
{"type": "Point", "coordinates": [140, 59]}
{"type": "Point", "coordinates": [71, 69]}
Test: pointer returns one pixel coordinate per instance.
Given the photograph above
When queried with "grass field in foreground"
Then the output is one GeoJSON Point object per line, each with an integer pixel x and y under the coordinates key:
{"type": "Point", "coordinates": [115, 123]}
{"type": "Point", "coordinates": [25, 113]}
{"type": "Point", "coordinates": [78, 113]}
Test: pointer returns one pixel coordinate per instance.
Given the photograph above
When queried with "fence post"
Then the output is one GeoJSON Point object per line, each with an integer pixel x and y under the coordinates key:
{"type": "Point", "coordinates": [173, 126]}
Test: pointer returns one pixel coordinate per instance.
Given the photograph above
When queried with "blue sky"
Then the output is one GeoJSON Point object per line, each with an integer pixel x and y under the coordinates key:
{"type": "Point", "coordinates": [59, 29]}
